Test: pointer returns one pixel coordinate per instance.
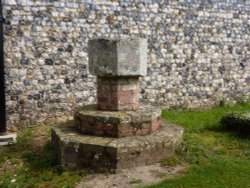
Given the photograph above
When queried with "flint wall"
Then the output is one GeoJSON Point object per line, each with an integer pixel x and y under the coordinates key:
{"type": "Point", "coordinates": [199, 52]}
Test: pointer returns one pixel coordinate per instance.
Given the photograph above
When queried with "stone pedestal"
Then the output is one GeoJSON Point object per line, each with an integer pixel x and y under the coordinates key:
{"type": "Point", "coordinates": [125, 57]}
{"type": "Point", "coordinates": [118, 66]}
{"type": "Point", "coordinates": [105, 154]}
{"type": "Point", "coordinates": [117, 132]}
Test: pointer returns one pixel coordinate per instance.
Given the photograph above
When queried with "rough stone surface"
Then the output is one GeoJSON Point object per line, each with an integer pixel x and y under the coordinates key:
{"type": "Point", "coordinates": [89, 120]}
{"type": "Point", "coordinates": [109, 154]}
{"type": "Point", "coordinates": [118, 94]}
{"type": "Point", "coordinates": [238, 122]}
{"type": "Point", "coordinates": [141, 176]}
{"type": "Point", "coordinates": [198, 52]}
{"type": "Point", "coordinates": [124, 57]}
{"type": "Point", "coordinates": [8, 139]}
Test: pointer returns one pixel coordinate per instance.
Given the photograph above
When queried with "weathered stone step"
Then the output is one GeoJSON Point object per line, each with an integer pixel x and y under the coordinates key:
{"type": "Point", "coordinates": [102, 154]}
{"type": "Point", "coordinates": [89, 120]}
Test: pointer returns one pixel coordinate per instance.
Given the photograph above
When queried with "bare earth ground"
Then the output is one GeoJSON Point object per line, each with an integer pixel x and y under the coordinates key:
{"type": "Point", "coordinates": [130, 178]}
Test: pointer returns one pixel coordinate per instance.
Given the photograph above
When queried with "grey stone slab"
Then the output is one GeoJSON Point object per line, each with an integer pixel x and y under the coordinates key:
{"type": "Point", "coordinates": [145, 113]}
{"type": "Point", "coordinates": [8, 139]}
{"type": "Point", "coordinates": [102, 154]}
{"type": "Point", "coordinates": [124, 57]}
{"type": "Point", "coordinates": [89, 120]}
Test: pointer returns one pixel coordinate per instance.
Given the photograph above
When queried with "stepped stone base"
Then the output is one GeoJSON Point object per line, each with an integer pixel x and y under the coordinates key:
{"type": "Point", "coordinates": [89, 120]}
{"type": "Point", "coordinates": [102, 154]}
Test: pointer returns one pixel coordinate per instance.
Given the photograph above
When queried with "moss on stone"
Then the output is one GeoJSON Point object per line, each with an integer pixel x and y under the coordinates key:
{"type": "Point", "coordinates": [238, 122]}
{"type": "Point", "coordinates": [124, 152]}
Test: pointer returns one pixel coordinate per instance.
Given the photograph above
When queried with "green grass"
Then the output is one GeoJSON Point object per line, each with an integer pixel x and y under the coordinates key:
{"type": "Point", "coordinates": [216, 158]}
{"type": "Point", "coordinates": [200, 120]}
{"type": "Point", "coordinates": [32, 163]}
{"type": "Point", "coordinates": [219, 173]}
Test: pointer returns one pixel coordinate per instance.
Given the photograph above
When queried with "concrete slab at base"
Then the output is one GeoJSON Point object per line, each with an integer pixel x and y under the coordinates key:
{"type": "Point", "coordinates": [7, 139]}
{"type": "Point", "coordinates": [102, 154]}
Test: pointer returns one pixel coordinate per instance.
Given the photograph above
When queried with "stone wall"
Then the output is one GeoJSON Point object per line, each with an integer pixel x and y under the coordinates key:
{"type": "Point", "coordinates": [199, 52]}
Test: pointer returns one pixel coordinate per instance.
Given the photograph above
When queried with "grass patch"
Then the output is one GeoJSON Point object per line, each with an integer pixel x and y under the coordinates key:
{"type": "Point", "coordinates": [172, 161]}
{"type": "Point", "coordinates": [216, 158]}
{"type": "Point", "coordinates": [200, 120]}
{"type": "Point", "coordinates": [218, 173]}
{"type": "Point", "coordinates": [31, 162]}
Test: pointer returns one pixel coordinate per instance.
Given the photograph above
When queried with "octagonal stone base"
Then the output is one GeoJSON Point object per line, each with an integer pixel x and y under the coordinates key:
{"type": "Point", "coordinates": [101, 154]}
{"type": "Point", "coordinates": [89, 120]}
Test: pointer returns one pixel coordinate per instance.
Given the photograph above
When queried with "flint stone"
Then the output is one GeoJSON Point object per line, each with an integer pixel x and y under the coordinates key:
{"type": "Point", "coordinates": [124, 57]}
